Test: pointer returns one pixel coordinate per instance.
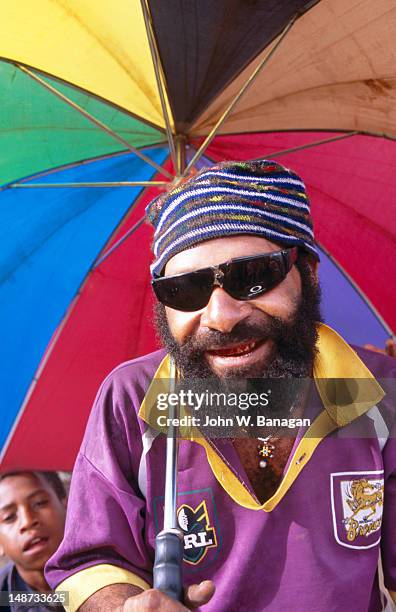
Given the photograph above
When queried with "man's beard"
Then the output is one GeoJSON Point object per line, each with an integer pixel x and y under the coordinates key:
{"type": "Point", "coordinates": [295, 340]}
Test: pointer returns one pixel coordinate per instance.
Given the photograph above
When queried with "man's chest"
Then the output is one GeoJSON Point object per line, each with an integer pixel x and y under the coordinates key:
{"type": "Point", "coordinates": [264, 461]}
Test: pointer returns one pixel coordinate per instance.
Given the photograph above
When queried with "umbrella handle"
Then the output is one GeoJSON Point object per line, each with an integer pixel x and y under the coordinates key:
{"type": "Point", "coordinates": [168, 563]}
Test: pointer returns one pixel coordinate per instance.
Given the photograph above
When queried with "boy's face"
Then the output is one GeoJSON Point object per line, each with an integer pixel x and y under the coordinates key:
{"type": "Point", "coordinates": [32, 520]}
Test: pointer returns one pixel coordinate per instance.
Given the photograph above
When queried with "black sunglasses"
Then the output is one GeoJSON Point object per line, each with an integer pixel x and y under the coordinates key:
{"type": "Point", "coordinates": [243, 278]}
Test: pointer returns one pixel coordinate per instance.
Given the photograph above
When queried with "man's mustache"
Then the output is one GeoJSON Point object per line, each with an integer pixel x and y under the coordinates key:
{"type": "Point", "coordinates": [241, 333]}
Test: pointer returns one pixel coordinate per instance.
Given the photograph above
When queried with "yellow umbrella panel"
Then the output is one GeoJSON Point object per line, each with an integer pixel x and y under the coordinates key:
{"type": "Point", "coordinates": [101, 47]}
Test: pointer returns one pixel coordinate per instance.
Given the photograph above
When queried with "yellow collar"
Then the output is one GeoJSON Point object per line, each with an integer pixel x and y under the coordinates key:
{"type": "Point", "coordinates": [345, 385]}
{"type": "Point", "coordinates": [344, 400]}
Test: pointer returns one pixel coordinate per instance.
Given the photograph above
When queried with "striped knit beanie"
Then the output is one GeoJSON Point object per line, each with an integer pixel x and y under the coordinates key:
{"type": "Point", "coordinates": [261, 198]}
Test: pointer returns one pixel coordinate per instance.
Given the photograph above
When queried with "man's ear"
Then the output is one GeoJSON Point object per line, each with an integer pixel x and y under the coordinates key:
{"type": "Point", "coordinates": [1, 551]}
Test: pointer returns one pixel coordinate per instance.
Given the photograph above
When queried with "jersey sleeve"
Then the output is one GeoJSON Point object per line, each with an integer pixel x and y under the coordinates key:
{"type": "Point", "coordinates": [104, 535]}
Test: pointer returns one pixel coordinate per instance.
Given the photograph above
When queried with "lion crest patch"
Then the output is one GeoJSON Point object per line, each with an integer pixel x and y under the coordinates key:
{"type": "Point", "coordinates": [357, 502]}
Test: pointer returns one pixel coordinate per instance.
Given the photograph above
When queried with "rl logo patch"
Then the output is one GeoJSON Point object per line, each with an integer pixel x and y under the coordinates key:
{"type": "Point", "coordinates": [357, 500]}
{"type": "Point", "coordinates": [198, 534]}
{"type": "Point", "coordinates": [197, 518]}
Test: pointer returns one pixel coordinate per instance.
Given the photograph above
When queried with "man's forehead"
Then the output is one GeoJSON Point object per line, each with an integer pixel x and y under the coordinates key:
{"type": "Point", "coordinates": [218, 250]}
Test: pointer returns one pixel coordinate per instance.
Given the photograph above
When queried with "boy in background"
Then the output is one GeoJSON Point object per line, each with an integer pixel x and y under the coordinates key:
{"type": "Point", "coordinates": [32, 519]}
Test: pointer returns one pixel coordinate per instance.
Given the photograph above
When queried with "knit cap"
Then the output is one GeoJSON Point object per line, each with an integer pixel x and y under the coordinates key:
{"type": "Point", "coordinates": [261, 198]}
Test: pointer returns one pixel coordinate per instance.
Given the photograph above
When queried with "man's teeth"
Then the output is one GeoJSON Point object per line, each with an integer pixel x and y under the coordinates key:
{"type": "Point", "coordinates": [241, 349]}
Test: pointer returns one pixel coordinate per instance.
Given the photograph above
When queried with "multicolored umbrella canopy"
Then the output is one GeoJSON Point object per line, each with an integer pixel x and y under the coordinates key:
{"type": "Point", "coordinates": [102, 104]}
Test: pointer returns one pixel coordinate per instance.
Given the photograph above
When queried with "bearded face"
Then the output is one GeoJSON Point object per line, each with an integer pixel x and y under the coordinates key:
{"type": "Point", "coordinates": [293, 338]}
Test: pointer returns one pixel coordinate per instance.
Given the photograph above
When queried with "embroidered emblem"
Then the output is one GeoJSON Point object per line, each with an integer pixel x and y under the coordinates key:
{"type": "Point", "coordinates": [357, 501]}
{"type": "Point", "coordinates": [197, 517]}
{"type": "Point", "coordinates": [199, 536]}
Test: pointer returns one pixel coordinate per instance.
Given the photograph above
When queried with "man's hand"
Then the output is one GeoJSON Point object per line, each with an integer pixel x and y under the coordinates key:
{"type": "Point", "coordinates": [195, 596]}
{"type": "Point", "coordinates": [390, 348]}
{"type": "Point", "coordinates": [127, 598]}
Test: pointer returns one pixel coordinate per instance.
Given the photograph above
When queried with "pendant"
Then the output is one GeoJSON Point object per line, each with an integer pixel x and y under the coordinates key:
{"type": "Point", "coordinates": [265, 451]}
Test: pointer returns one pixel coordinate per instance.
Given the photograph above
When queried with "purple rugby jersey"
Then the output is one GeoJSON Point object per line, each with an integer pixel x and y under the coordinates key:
{"type": "Point", "coordinates": [314, 545]}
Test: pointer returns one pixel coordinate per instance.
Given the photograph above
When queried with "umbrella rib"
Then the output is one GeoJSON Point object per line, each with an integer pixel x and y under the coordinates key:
{"type": "Point", "coordinates": [311, 144]}
{"type": "Point", "coordinates": [118, 243]}
{"type": "Point", "coordinates": [160, 77]}
{"type": "Point", "coordinates": [92, 95]}
{"type": "Point", "coordinates": [67, 166]}
{"type": "Point", "coordinates": [93, 119]}
{"type": "Point", "coordinates": [87, 184]}
{"type": "Point", "coordinates": [240, 93]}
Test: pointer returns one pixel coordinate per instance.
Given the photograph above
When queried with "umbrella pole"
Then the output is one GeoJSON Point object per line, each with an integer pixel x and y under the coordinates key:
{"type": "Point", "coordinates": [169, 542]}
{"type": "Point", "coordinates": [180, 144]}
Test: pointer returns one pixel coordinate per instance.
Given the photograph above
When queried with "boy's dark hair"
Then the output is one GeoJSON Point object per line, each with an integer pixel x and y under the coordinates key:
{"type": "Point", "coordinates": [51, 477]}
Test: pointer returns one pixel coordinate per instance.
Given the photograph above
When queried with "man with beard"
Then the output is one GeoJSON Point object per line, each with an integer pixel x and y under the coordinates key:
{"type": "Point", "coordinates": [277, 520]}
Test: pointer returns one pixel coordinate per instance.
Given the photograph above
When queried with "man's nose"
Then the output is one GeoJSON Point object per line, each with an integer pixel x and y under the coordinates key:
{"type": "Point", "coordinates": [223, 312]}
{"type": "Point", "coordinates": [27, 518]}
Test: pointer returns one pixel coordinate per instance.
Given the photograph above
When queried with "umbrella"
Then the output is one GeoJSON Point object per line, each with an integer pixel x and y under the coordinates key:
{"type": "Point", "coordinates": [103, 104]}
